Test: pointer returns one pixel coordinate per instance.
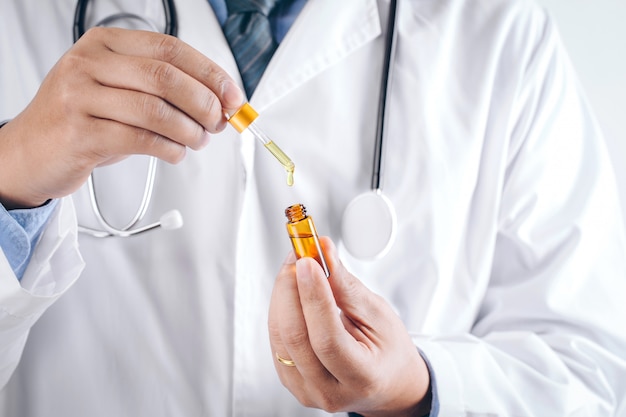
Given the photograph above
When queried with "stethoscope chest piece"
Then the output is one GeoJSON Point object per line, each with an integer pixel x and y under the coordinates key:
{"type": "Point", "coordinates": [369, 225]}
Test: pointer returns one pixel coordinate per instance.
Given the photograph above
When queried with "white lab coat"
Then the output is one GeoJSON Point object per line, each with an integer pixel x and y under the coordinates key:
{"type": "Point", "coordinates": [508, 268]}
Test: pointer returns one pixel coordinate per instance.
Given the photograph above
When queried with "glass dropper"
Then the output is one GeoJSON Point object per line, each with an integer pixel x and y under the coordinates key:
{"type": "Point", "coordinates": [243, 119]}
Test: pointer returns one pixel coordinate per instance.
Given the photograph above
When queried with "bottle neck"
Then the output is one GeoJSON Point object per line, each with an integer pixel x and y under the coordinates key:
{"type": "Point", "coordinates": [295, 213]}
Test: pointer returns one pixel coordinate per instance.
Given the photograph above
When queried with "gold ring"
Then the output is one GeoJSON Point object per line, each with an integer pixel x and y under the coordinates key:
{"type": "Point", "coordinates": [286, 362]}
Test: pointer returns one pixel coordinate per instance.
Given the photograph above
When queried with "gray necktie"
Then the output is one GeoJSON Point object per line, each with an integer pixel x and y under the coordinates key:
{"type": "Point", "coordinates": [249, 34]}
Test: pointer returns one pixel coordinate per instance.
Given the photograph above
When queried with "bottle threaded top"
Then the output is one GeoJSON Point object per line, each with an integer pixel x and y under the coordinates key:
{"type": "Point", "coordinates": [295, 213]}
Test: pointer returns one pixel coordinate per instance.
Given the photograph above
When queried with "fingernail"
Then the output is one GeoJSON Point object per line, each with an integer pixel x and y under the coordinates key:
{"type": "Point", "coordinates": [221, 124]}
{"type": "Point", "coordinates": [232, 95]}
{"type": "Point", "coordinates": [307, 267]}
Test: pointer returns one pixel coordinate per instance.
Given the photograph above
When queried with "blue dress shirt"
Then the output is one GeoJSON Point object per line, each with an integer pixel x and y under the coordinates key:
{"type": "Point", "coordinates": [20, 231]}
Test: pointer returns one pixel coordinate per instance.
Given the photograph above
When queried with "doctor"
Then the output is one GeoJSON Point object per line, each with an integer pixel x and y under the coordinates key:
{"type": "Point", "coordinates": [502, 294]}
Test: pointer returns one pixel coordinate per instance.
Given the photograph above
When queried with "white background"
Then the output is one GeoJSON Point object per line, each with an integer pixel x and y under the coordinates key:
{"type": "Point", "coordinates": [594, 33]}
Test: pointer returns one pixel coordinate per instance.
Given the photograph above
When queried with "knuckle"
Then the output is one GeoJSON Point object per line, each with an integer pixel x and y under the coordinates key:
{"type": "Point", "coordinates": [74, 59]}
{"type": "Point", "coordinates": [162, 76]}
{"type": "Point", "coordinates": [214, 114]}
{"type": "Point", "coordinates": [215, 78]}
{"type": "Point", "coordinates": [211, 74]}
{"type": "Point", "coordinates": [326, 347]}
{"type": "Point", "coordinates": [207, 72]}
{"type": "Point", "coordinates": [147, 139]}
{"type": "Point", "coordinates": [168, 48]}
{"type": "Point", "coordinates": [157, 110]}
{"type": "Point", "coordinates": [66, 84]}
{"type": "Point", "coordinates": [295, 338]}
{"type": "Point", "coordinates": [211, 102]}
{"type": "Point", "coordinates": [71, 69]}
{"type": "Point", "coordinates": [94, 33]}
{"type": "Point", "coordinates": [159, 146]}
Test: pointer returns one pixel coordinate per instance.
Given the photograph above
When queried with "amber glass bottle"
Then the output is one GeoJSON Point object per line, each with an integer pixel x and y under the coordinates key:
{"type": "Point", "coordinates": [303, 235]}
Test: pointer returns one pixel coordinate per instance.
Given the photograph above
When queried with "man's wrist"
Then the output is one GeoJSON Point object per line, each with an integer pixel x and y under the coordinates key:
{"type": "Point", "coordinates": [11, 203]}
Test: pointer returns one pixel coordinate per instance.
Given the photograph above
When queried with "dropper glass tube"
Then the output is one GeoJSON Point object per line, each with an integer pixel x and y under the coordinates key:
{"type": "Point", "coordinates": [303, 235]}
{"type": "Point", "coordinates": [243, 119]}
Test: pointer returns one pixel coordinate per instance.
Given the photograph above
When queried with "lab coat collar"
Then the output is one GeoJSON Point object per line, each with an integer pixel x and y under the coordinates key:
{"type": "Point", "coordinates": [199, 27]}
{"type": "Point", "coordinates": [325, 32]}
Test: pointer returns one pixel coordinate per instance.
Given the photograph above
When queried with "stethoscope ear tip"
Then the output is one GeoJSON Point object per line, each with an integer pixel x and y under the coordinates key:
{"type": "Point", "coordinates": [171, 220]}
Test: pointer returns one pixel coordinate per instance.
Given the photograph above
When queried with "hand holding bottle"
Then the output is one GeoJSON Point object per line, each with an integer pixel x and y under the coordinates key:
{"type": "Point", "coordinates": [348, 348]}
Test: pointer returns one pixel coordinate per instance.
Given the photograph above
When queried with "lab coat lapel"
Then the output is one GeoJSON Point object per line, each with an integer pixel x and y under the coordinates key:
{"type": "Point", "coordinates": [198, 26]}
{"type": "Point", "coordinates": [325, 32]}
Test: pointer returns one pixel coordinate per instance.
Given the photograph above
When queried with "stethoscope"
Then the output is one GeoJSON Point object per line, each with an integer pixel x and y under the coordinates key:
{"type": "Point", "coordinates": [169, 220]}
{"type": "Point", "coordinates": [368, 225]}
{"type": "Point", "coordinates": [371, 208]}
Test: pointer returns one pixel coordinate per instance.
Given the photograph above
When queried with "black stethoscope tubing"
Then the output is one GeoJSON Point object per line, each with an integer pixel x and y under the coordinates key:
{"type": "Point", "coordinates": [171, 19]}
{"type": "Point", "coordinates": [381, 206]}
{"type": "Point", "coordinates": [369, 221]}
{"type": "Point", "coordinates": [390, 47]}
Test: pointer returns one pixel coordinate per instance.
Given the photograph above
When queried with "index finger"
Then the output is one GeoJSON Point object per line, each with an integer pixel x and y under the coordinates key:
{"type": "Point", "coordinates": [172, 50]}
